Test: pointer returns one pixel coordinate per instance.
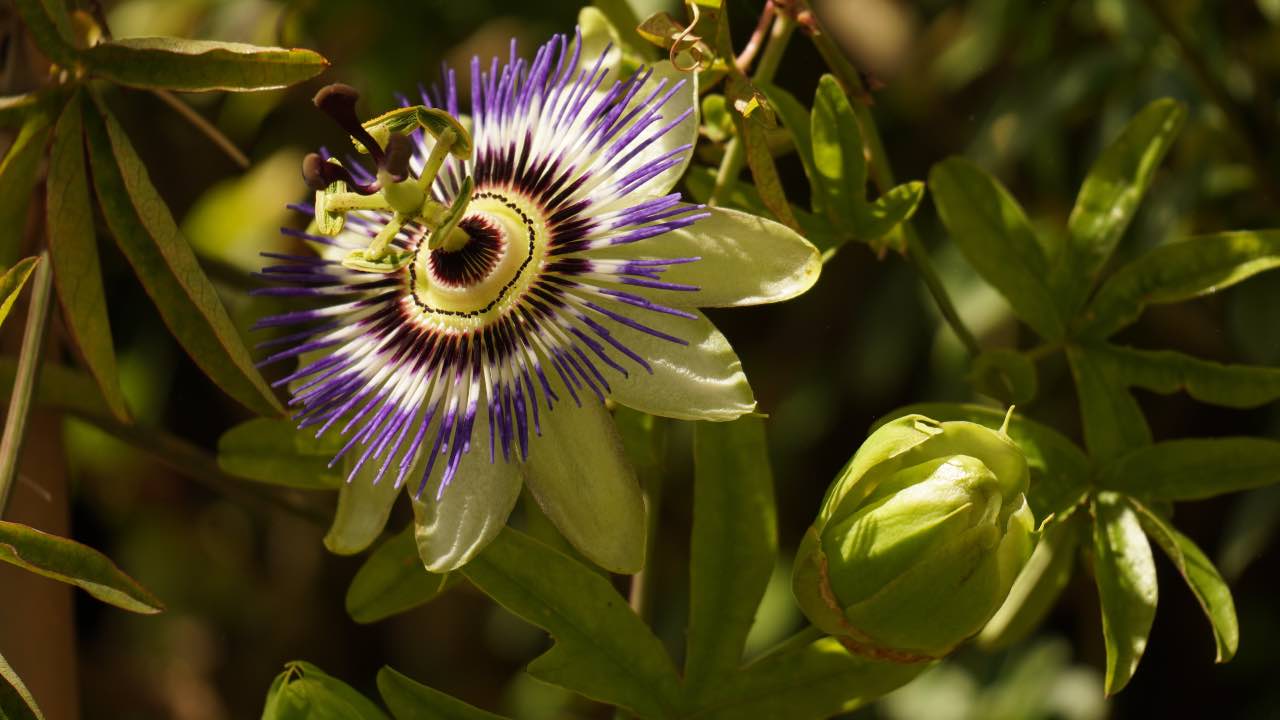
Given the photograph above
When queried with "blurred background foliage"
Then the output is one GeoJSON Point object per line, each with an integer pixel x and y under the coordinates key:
{"type": "Point", "coordinates": [1028, 90]}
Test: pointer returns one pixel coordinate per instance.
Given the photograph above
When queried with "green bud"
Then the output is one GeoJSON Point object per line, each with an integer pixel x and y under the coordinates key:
{"type": "Point", "coordinates": [918, 540]}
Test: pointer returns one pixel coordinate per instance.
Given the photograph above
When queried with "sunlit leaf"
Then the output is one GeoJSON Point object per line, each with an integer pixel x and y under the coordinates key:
{"type": "Point", "coordinates": [200, 65]}
{"type": "Point", "coordinates": [1125, 573]}
{"type": "Point", "coordinates": [1202, 577]}
{"type": "Point", "coordinates": [756, 146]}
{"type": "Point", "coordinates": [875, 221]}
{"type": "Point", "coordinates": [410, 700]}
{"type": "Point", "coordinates": [305, 692]}
{"type": "Point", "coordinates": [163, 261]}
{"type": "Point", "coordinates": [1037, 587]}
{"type": "Point", "coordinates": [393, 581]}
{"type": "Point", "coordinates": [1194, 468]}
{"type": "Point", "coordinates": [70, 562]}
{"type": "Point", "coordinates": [18, 175]}
{"type": "Point", "coordinates": [276, 452]}
{"type": "Point", "coordinates": [1167, 371]}
{"type": "Point", "coordinates": [603, 650]}
{"type": "Point", "coordinates": [796, 119]}
{"type": "Point", "coordinates": [1111, 193]}
{"type": "Point", "coordinates": [73, 249]}
{"type": "Point", "coordinates": [1060, 470]}
{"type": "Point", "coordinates": [16, 702]}
{"type": "Point", "coordinates": [12, 282]}
{"type": "Point", "coordinates": [735, 529]}
{"type": "Point", "coordinates": [993, 233]}
{"type": "Point", "coordinates": [1113, 421]}
{"type": "Point", "coordinates": [838, 160]}
{"type": "Point", "coordinates": [820, 680]}
{"type": "Point", "coordinates": [1179, 271]}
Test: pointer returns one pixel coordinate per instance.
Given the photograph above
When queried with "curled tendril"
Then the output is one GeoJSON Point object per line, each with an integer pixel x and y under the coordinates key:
{"type": "Point", "coordinates": [694, 45]}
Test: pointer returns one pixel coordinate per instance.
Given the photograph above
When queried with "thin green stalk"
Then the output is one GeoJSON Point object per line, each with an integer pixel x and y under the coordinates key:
{"type": "Point", "coordinates": [24, 381]}
{"type": "Point", "coordinates": [882, 175]}
{"type": "Point", "coordinates": [642, 587]}
{"type": "Point", "coordinates": [802, 639]}
{"type": "Point", "coordinates": [735, 156]}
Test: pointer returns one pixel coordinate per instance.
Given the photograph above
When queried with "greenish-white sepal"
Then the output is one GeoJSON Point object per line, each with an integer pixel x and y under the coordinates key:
{"type": "Point", "coordinates": [452, 526]}
{"type": "Point", "coordinates": [579, 474]}
{"type": "Point", "coordinates": [743, 259]}
{"type": "Point", "coordinates": [699, 380]}
{"type": "Point", "coordinates": [599, 37]}
{"type": "Point", "coordinates": [391, 261]}
{"type": "Point", "coordinates": [363, 510]}
{"type": "Point", "coordinates": [684, 133]}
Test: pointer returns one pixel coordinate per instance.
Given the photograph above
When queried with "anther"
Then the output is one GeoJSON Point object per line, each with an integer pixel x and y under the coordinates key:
{"type": "Point", "coordinates": [338, 101]}
{"type": "Point", "coordinates": [399, 151]}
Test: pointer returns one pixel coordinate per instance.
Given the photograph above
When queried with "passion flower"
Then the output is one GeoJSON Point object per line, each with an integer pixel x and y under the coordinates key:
{"type": "Point", "coordinates": [500, 274]}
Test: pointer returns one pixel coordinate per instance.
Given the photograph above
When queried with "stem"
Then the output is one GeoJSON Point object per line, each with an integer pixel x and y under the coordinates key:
{"type": "Point", "coordinates": [735, 156]}
{"type": "Point", "coordinates": [214, 134]}
{"type": "Point", "coordinates": [882, 175]}
{"type": "Point", "coordinates": [802, 639]}
{"type": "Point", "coordinates": [24, 381]}
{"type": "Point", "coordinates": [642, 588]}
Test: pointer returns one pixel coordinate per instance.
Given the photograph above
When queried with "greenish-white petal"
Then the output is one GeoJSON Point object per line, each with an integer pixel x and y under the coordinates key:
{"type": "Point", "coordinates": [580, 477]}
{"type": "Point", "coordinates": [700, 378]}
{"type": "Point", "coordinates": [683, 134]}
{"type": "Point", "coordinates": [363, 509]}
{"type": "Point", "coordinates": [744, 259]}
{"type": "Point", "coordinates": [452, 528]}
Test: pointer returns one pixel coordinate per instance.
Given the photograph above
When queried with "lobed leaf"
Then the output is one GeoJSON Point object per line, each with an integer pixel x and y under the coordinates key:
{"type": "Point", "coordinates": [1168, 371]}
{"type": "Point", "coordinates": [73, 250]}
{"type": "Point", "coordinates": [1111, 193]}
{"type": "Point", "coordinates": [19, 172]}
{"type": "Point", "coordinates": [1125, 573]}
{"type": "Point", "coordinates": [410, 700]}
{"type": "Point", "coordinates": [1194, 468]}
{"type": "Point", "coordinates": [277, 452]}
{"type": "Point", "coordinates": [70, 562]}
{"type": "Point", "coordinates": [603, 650]}
{"type": "Point", "coordinates": [1037, 587]}
{"type": "Point", "coordinates": [16, 702]}
{"type": "Point", "coordinates": [734, 546]}
{"type": "Point", "coordinates": [838, 160]}
{"type": "Point", "coordinates": [1113, 421]}
{"type": "Point", "coordinates": [993, 233]}
{"type": "Point", "coordinates": [393, 580]}
{"type": "Point", "coordinates": [12, 282]}
{"type": "Point", "coordinates": [1179, 271]}
{"type": "Point", "coordinates": [147, 235]}
{"type": "Point", "coordinates": [305, 692]}
{"type": "Point", "coordinates": [201, 65]}
{"type": "Point", "coordinates": [1060, 471]}
{"type": "Point", "coordinates": [1201, 576]}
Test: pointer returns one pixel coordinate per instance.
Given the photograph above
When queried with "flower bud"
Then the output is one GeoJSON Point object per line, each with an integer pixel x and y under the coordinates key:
{"type": "Point", "coordinates": [919, 539]}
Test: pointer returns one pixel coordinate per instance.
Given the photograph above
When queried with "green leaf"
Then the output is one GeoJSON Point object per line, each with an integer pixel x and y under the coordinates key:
{"type": "Point", "coordinates": [1194, 468]}
{"type": "Point", "coordinates": [796, 119]}
{"type": "Point", "coordinates": [875, 221]}
{"type": "Point", "coordinates": [1006, 375]}
{"type": "Point", "coordinates": [164, 262]}
{"type": "Point", "coordinates": [1202, 577]}
{"type": "Point", "coordinates": [1125, 574]}
{"type": "Point", "coordinates": [1037, 587]}
{"type": "Point", "coordinates": [201, 65]}
{"type": "Point", "coordinates": [362, 512]}
{"type": "Point", "coordinates": [820, 680]}
{"type": "Point", "coordinates": [73, 249]}
{"type": "Point", "coordinates": [11, 284]}
{"type": "Point", "coordinates": [1110, 195]}
{"type": "Point", "coordinates": [305, 692]}
{"type": "Point", "coordinates": [603, 650]}
{"type": "Point", "coordinates": [1179, 271]}
{"type": "Point", "coordinates": [16, 702]}
{"type": "Point", "coordinates": [48, 23]}
{"type": "Point", "coordinates": [277, 452]}
{"type": "Point", "coordinates": [393, 581]}
{"type": "Point", "coordinates": [410, 700]}
{"type": "Point", "coordinates": [70, 562]}
{"type": "Point", "coordinates": [18, 175]}
{"type": "Point", "coordinates": [751, 133]}
{"type": "Point", "coordinates": [1060, 470]}
{"type": "Point", "coordinates": [838, 160]}
{"type": "Point", "coordinates": [1113, 421]}
{"type": "Point", "coordinates": [993, 233]}
{"type": "Point", "coordinates": [735, 544]}
{"type": "Point", "coordinates": [1167, 371]}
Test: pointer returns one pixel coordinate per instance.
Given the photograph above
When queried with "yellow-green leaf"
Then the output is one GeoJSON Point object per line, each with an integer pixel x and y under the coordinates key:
{"type": "Point", "coordinates": [1194, 468]}
{"type": "Point", "coordinates": [201, 65]}
{"type": "Point", "coordinates": [18, 175]}
{"type": "Point", "coordinates": [838, 159]}
{"type": "Point", "coordinates": [1125, 573]}
{"type": "Point", "coordinates": [393, 581]}
{"type": "Point", "coordinates": [305, 692]}
{"type": "Point", "coordinates": [16, 702]}
{"type": "Point", "coordinates": [1169, 371]}
{"type": "Point", "coordinates": [11, 284]}
{"type": "Point", "coordinates": [410, 700]}
{"type": "Point", "coordinates": [277, 452]}
{"type": "Point", "coordinates": [1113, 421]}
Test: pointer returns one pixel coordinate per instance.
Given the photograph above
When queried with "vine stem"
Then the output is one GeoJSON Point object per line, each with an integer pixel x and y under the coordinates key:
{"type": "Point", "coordinates": [882, 176]}
{"type": "Point", "coordinates": [24, 381]}
{"type": "Point", "coordinates": [735, 156]}
{"type": "Point", "coordinates": [204, 126]}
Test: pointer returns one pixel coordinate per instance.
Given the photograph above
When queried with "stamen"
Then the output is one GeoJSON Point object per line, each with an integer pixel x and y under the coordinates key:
{"type": "Point", "coordinates": [338, 101]}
